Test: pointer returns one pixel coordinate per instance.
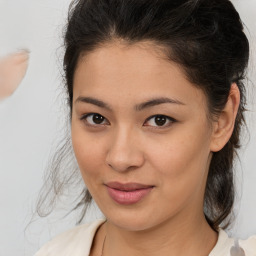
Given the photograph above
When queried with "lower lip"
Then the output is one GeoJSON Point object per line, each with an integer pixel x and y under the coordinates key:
{"type": "Point", "coordinates": [128, 197]}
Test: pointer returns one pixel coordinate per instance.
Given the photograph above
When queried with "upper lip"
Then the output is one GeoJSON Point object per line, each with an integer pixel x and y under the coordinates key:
{"type": "Point", "coordinates": [127, 186]}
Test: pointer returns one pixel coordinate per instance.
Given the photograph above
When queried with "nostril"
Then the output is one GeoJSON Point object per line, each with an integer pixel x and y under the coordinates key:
{"type": "Point", "coordinates": [124, 156]}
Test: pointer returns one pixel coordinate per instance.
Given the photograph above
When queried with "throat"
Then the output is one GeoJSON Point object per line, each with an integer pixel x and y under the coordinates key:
{"type": "Point", "coordinates": [118, 242]}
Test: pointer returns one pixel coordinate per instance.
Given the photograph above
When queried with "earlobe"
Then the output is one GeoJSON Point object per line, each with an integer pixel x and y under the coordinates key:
{"type": "Point", "coordinates": [224, 125]}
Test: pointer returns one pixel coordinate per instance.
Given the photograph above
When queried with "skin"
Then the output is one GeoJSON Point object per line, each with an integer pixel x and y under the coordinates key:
{"type": "Point", "coordinates": [127, 147]}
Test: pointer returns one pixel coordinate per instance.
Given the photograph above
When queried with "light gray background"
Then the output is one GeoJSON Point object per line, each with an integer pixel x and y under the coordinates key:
{"type": "Point", "coordinates": [30, 121]}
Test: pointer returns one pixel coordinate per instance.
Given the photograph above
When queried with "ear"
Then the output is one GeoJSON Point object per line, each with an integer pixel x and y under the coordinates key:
{"type": "Point", "coordinates": [224, 126]}
{"type": "Point", "coordinates": [12, 70]}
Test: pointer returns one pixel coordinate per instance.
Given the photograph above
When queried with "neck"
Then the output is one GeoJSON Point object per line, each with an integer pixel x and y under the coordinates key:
{"type": "Point", "coordinates": [173, 237]}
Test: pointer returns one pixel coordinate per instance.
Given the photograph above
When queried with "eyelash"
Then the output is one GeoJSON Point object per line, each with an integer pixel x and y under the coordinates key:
{"type": "Point", "coordinates": [170, 119]}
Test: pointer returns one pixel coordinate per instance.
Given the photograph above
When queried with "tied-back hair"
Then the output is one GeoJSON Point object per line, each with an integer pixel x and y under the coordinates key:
{"type": "Point", "coordinates": [204, 37]}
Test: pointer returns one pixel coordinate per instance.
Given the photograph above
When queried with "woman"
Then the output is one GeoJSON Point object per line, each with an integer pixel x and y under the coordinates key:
{"type": "Point", "coordinates": [157, 102]}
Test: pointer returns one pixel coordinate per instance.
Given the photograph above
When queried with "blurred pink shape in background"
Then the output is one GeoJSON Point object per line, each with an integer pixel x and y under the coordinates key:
{"type": "Point", "coordinates": [13, 68]}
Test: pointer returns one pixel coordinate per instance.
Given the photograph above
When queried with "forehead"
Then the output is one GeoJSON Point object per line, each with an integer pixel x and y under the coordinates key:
{"type": "Point", "coordinates": [135, 71]}
{"type": "Point", "coordinates": [125, 58]}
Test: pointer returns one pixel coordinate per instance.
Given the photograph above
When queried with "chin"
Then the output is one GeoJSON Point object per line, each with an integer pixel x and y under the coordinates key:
{"type": "Point", "coordinates": [133, 220]}
{"type": "Point", "coordinates": [135, 224]}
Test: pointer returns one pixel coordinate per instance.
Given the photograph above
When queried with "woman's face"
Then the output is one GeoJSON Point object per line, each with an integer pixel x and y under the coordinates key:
{"type": "Point", "coordinates": [140, 135]}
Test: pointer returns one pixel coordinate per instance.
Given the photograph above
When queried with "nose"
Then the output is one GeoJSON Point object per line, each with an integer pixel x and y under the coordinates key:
{"type": "Point", "coordinates": [124, 153]}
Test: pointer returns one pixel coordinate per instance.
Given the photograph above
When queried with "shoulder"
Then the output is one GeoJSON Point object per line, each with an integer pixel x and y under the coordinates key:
{"type": "Point", "coordinates": [76, 241]}
{"type": "Point", "coordinates": [227, 246]}
{"type": "Point", "coordinates": [249, 246]}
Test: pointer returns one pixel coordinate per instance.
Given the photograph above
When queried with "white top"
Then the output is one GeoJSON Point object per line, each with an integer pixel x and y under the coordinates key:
{"type": "Point", "coordinates": [78, 241]}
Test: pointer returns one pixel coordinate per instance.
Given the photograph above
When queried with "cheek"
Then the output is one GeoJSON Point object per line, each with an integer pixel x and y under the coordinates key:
{"type": "Point", "coordinates": [182, 162]}
{"type": "Point", "coordinates": [88, 152]}
{"type": "Point", "coordinates": [180, 152]}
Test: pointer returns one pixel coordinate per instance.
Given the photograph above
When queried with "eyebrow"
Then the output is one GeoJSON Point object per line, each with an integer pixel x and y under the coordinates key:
{"type": "Point", "coordinates": [139, 107]}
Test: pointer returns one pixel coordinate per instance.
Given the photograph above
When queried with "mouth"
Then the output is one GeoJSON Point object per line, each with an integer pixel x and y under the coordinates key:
{"type": "Point", "coordinates": [128, 193]}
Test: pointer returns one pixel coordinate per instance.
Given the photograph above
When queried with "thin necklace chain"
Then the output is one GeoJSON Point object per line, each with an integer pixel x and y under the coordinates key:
{"type": "Point", "coordinates": [103, 246]}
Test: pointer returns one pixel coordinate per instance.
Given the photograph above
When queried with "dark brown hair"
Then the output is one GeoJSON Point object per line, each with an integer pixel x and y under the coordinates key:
{"type": "Point", "coordinates": [205, 37]}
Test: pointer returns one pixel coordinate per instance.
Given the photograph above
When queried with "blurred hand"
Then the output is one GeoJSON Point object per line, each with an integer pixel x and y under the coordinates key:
{"type": "Point", "coordinates": [12, 70]}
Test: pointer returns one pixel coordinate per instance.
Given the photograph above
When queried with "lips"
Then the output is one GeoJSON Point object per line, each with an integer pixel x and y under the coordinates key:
{"type": "Point", "coordinates": [128, 193]}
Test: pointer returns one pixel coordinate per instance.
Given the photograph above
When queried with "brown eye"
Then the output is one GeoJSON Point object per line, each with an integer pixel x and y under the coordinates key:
{"type": "Point", "coordinates": [93, 119]}
{"type": "Point", "coordinates": [97, 119]}
{"type": "Point", "coordinates": [160, 121]}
